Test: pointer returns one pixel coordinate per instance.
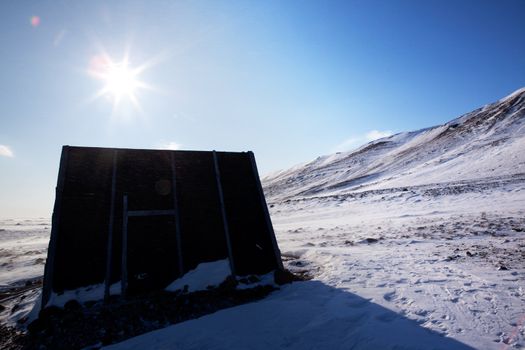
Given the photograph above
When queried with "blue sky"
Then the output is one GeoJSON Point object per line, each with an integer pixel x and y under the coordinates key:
{"type": "Point", "coordinates": [289, 80]}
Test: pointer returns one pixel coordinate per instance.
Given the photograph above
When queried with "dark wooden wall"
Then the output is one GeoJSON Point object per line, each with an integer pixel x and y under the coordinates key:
{"type": "Point", "coordinates": [218, 209]}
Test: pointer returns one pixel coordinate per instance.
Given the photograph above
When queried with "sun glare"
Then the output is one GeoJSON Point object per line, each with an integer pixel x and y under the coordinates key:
{"type": "Point", "coordinates": [120, 81]}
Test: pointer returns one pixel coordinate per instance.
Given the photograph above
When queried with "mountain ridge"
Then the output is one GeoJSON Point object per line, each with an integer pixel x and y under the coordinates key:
{"type": "Point", "coordinates": [486, 142]}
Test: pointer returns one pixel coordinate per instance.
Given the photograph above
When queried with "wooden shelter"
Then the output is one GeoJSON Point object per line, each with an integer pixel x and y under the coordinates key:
{"type": "Point", "coordinates": [146, 217]}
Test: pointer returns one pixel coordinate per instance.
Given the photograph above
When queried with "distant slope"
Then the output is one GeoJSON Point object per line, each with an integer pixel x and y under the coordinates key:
{"type": "Point", "coordinates": [487, 142]}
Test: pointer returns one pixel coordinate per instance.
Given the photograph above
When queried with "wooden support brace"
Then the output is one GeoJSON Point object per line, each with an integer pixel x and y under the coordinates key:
{"type": "Point", "coordinates": [109, 257]}
{"type": "Point", "coordinates": [124, 281]}
{"type": "Point", "coordinates": [178, 235]}
{"type": "Point", "coordinates": [223, 213]}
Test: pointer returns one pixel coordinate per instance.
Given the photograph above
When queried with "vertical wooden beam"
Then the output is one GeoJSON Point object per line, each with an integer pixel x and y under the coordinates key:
{"type": "Point", "coordinates": [109, 252]}
{"type": "Point", "coordinates": [49, 269]}
{"type": "Point", "coordinates": [267, 218]}
{"type": "Point", "coordinates": [124, 267]}
{"type": "Point", "coordinates": [178, 235]}
{"type": "Point", "coordinates": [223, 212]}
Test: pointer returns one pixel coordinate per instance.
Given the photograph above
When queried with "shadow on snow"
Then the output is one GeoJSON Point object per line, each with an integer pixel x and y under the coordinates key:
{"type": "Point", "coordinates": [304, 315]}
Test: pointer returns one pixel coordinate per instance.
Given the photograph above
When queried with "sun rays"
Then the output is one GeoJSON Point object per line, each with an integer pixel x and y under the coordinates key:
{"type": "Point", "coordinates": [120, 80]}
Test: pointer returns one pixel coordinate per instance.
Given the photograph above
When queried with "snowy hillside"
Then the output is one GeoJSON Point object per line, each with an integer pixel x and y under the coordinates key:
{"type": "Point", "coordinates": [487, 142]}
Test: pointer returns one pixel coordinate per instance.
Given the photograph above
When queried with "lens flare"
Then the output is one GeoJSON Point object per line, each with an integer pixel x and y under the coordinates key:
{"type": "Point", "coordinates": [35, 21]}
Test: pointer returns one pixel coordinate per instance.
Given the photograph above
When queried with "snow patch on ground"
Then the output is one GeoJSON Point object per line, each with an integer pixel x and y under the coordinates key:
{"type": "Point", "coordinates": [210, 274]}
{"type": "Point", "coordinates": [26, 310]}
{"type": "Point", "coordinates": [262, 280]}
{"type": "Point", "coordinates": [84, 294]}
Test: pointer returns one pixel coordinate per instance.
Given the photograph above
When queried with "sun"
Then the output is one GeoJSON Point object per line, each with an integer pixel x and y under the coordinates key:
{"type": "Point", "coordinates": [120, 81]}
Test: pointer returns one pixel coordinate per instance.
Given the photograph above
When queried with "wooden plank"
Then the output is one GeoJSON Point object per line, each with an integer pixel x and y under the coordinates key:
{"type": "Point", "coordinates": [150, 212]}
{"type": "Point", "coordinates": [47, 287]}
{"type": "Point", "coordinates": [223, 213]}
{"type": "Point", "coordinates": [176, 214]}
{"type": "Point", "coordinates": [267, 218]}
{"type": "Point", "coordinates": [109, 258]}
{"type": "Point", "coordinates": [124, 267]}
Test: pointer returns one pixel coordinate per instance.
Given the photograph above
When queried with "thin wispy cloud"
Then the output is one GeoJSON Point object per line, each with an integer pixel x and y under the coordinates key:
{"type": "Point", "coordinates": [376, 134]}
{"type": "Point", "coordinates": [355, 141]}
{"type": "Point", "coordinates": [171, 145]}
{"type": "Point", "coordinates": [5, 151]}
{"type": "Point", "coordinates": [59, 37]}
{"type": "Point", "coordinates": [347, 144]}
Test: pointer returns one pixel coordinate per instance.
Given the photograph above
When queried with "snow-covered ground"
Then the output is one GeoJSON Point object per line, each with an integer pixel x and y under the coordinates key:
{"type": "Point", "coordinates": [431, 267]}
{"type": "Point", "coordinates": [447, 272]}
{"type": "Point", "coordinates": [454, 263]}
{"type": "Point", "coordinates": [23, 249]}
{"type": "Point", "coordinates": [23, 252]}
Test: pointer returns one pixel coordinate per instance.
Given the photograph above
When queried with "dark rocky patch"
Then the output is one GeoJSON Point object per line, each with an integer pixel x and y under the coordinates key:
{"type": "Point", "coordinates": [18, 289]}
